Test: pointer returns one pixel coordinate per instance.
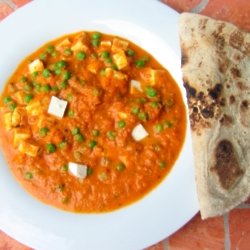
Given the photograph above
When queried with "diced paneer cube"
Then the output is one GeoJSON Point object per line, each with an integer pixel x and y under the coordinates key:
{"type": "Point", "coordinates": [105, 44]}
{"type": "Point", "coordinates": [115, 74]}
{"type": "Point", "coordinates": [34, 108]}
{"type": "Point", "coordinates": [7, 120]}
{"type": "Point", "coordinates": [94, 66]}
{"type": "Point", "coordinates": [79, 46]}
{"type": "Point", "coordinates": [119, 45]}
{"type": "Point", "coordinates": [28, 148]}
{"type": "Point", "coordinates": [36, 65]}
{"type": "Point", "coordinates": [18, 97]}
{"type": "Point", "coordinates": [17, 116]}
{"type": "Point", "coordinates": [135, 86]}
{"type": "Point", "coordinates": [108, 72]}
{"type": "Point", "coordinates": [57, 107]}
{"type": "Point", "coordinates": [45, 121]}
{"type": "Point", "coordinates": [120, 60]}
{"type": "Point", "coordinates": [120, 76]}
{"type": "Point", "coordinates": [20, 134]}
{"type": "Point", "coordinates": [139, 133]}
{"type": "Point", "coordinates": [122, 115]}
{"type": "Point", "coordinates": [63, 44]}
{"type": "Point", "coordinates": [149, 75]}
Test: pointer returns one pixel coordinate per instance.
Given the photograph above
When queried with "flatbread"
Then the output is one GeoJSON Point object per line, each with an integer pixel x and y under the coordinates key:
{"type": "Point", "coordinates": [216, 76]}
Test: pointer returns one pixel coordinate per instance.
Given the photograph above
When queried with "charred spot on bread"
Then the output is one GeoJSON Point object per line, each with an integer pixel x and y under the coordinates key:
{"type": "Point", "coordinates": [220, 42]}
{"type": "Point", "coordinates": [236, 39]}
{"type": "Point", "coordinates": [184, 57]}
{"type": "Point", "coordinates": [191, 92]}
{"type": "Point", "coordinates": [226, 120]}
{"type": "Point", "coordinates": [226, 164]}
{"type": "Point", "coordinates": [244, 105]}
{"type": "Point", "coordinates": [207, 112]}
{"type": "Point", "coordinates": [235, 72]}
{"type": "Point", "coordinates": [232, 99]}
{"type": "Point", "coordinates": [215, 91]}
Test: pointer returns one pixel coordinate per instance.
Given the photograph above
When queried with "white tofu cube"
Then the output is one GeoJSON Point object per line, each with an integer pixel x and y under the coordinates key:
{"type": "Point", "coordinates": [36, 65]}
{"type": "Point", "coordinates": [78, 170]}
{"type": "Point", "coordinates": [135, 85]}
{"type": "Point", "coordinates": [139, 132]}
{"type": "Point", "coordinates": [57, 107]}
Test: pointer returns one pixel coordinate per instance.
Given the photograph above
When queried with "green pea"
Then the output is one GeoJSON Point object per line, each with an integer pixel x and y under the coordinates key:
{"type": "Point", "coordinates": [111, 135]}
{"type": "Point", "coordinates": [79, 138]}
{"type": "Point", "coordinates": [158, 128]}
{"type": "Point", "coordinates": [50, 148]}
{"type": "Point", "coordinates": [12, 106]}
{"type": "Point", "coordinates": [45, 88]}
{"type": "Point", "coordinates": [92, 144]}
{"type": "Point", "coordinates": [61, 64]}
{"type": "Point", "coordinates": [89, 171]}
{"type": "Point", "coordinates": [37, 86]}
{"type": "Point", "coordinates": [34, 74]}
{"type": "Point", "coordinates": [120, 166]}
{"type": "Point", "coordinates": [105, 54]}
{"type": "Point", "coordinates": [141, 62]}
{"type": "Point", "coordinates": [155, 104]}
{"type": "Point", "coordinates": [95, 132]}
{"type": "Point", "coordinates": [143, 116]}
{"type": "Point", "coordinates": [95, 43]}
{"type": "Point", "coordinates": [28, 98]}
{"type": "Point", "coordinates": [24, 79]}
{"type": "Point", "coordinates": [162, 164]}
{"type": "Point", "coordinates": [115, 67]}
{"type": "Point", "coordinates": [43, 131]}
{"type": "Point", "coordinates": [64, 168]}
{"type": "Point", "coordinates": [151, 92]}
{"type": "Point", "coordinates": [135, 110]}
{"type": "Point", "coordinates": [43, 56]}
{"type": "Point", "coordinates": [46, 73]}
{"type": "Point", "coordinates": [63, 85]}
{"type": "Point", "coordinates": [141, 100]}
{"type": "Point", "coordinates": [7, 99]}
{"type": "Point", "coordinates": [71, 113]}
{"type": "Point", "coordinates": [96, 35]}
{"type": "Point", "coordinates": [55, 89]}
{"type": "Point", "coordinates": [108, 60]}
{"type": "Point", "coordinates": [80, 56]}
{"type": "Point", "coordinates": [75, 131]}
{"type": "Point", "coordinates": [67, 52]}
{"type": "Point", "coordinates": [50, 49]}
{"type": "Point", "coordinates": [130, 52]}
{"type": "Point", "coordinates": [28, 176]}
{"type": "Point", "coordinates": [27, 88]}
{"type": "Point", "coordinates": [121, 124]}
{"type": "Point", "coordinates": [66, 75]}
{"type": "Point", "coordinates": [62, 144]}
{"type": "Point", "coordinates": [168, 124]}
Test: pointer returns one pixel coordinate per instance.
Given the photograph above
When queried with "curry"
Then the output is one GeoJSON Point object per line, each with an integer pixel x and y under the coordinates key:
{"type": "Point", "coordinates": [91, 122]}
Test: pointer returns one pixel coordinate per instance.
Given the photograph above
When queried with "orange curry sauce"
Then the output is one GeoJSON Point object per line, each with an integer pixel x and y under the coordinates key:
{"type": "Point", "coordinates": [93, 72]}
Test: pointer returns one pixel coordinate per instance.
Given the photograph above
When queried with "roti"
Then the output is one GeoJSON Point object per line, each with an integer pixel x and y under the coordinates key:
{"type": "Point", "coordinates": [216, 76]}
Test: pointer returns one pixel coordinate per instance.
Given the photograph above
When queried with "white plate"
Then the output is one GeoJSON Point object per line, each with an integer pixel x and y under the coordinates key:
{"type": "Point", "coordinates": [151, 25]}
